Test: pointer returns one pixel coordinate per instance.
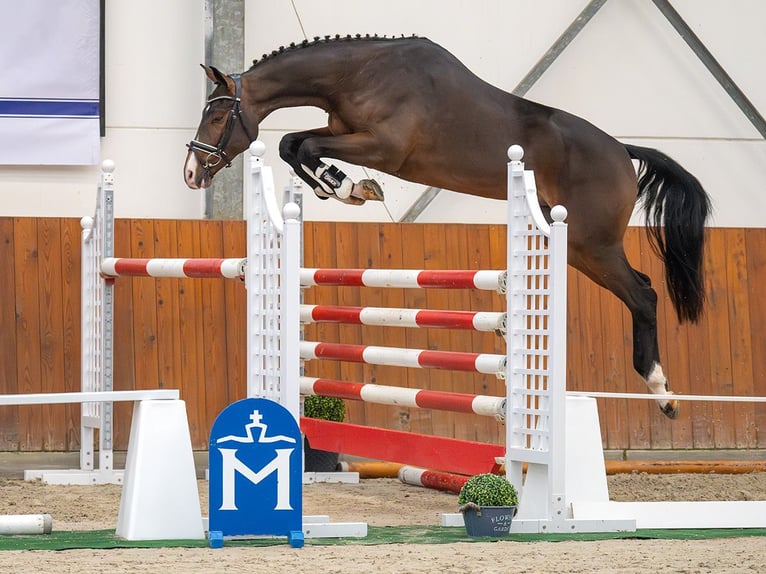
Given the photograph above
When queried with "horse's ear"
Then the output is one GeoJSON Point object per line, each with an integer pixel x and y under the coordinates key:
{"type": "Point", "coordinates": [218, 78]}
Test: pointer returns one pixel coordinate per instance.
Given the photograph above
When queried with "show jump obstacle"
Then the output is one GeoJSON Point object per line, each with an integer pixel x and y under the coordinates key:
{"type": "Point", "coordinates": [555, 436]}
{"type": "Point", "coordinates": [153, 481]}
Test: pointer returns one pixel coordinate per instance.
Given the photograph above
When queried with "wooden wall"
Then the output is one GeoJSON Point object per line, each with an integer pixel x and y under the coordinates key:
{"type": "Point", "coordinates": [190, 334]}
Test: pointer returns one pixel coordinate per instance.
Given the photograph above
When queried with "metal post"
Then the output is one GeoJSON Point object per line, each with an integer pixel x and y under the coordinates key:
{"type": "Point", "coordinates": [712, 65]}
{"type": "Point", "coordinates": [105, 455]}
{"type": "Point", "coordinates": [558, 47]}
{"type": "Point", "coordinates": [225, 49]}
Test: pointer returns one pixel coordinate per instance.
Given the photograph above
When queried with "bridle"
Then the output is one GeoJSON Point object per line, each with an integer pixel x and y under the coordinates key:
{"type": "Point", "coordinates": [216, 153]}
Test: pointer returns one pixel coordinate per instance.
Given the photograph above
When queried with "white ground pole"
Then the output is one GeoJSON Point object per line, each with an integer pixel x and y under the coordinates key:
{"type": "Point", "coordinates": [25, 524]}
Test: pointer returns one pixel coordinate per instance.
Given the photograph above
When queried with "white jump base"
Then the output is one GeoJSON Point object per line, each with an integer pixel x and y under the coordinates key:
{"type": "Point", "coordinates": [590, 509]}
{"type": "Point", "coordinates": [160, 500]}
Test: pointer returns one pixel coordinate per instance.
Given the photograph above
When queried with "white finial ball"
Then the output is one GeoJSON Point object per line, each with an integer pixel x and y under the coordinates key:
{"type": "Point", "coordinates": [559, 213]}
{"type": "Point", "coordinates": [515, 152]}
{"type": "Point", "coordinates": [107, 165]}
{"type": "Point", "coordinates": [291, 211]}
{"type": "Point", "coordinates": [86, 222]}
{"type": "Point", "coordinates": [258, 148]}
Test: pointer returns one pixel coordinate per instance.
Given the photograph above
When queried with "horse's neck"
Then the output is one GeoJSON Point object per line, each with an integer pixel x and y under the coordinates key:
{"type": "Point", "coordinates": [289, 81]}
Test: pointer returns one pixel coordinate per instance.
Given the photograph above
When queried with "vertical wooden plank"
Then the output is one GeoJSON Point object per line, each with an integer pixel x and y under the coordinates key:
{"type": "Point", "coordinates": [165, 240]}
{"type": "Point", "coordinates": [700, 373]}
{"type": "Point", "coordinates": [461, 341]}
{"type": "Point", "coordinates": [51, 329]}
{"type": "Point", "coordinates": [364, 254]}
{"type": "Point", "coordinates": [354, 251]}
{"type": "Point", "coordinates": [437, 257]}
{"type": "Point", "coordinates": [479, 256]}
{"type": "Point", "coordinates": [28, 363]}
{"type": "Point", "coordinates": [216, 370]}
{"type": "Point", "coordinates": [388, 255]}
{"type": "Point", "coordinates": [234, 245]}
{"type": "Point", "coordinates": [192, 343]}
{"type": "Point", "coordinates": [755, 240]}
{"type": "Point", "coordinates": [145, 309]}
{"type": "Point", "coordinates": [719, 333]}
{"type": "Point", "coordinates": [71, 298]}
{"type": "Point", "coordinates": [124, 336]}
{"type": "Point", "coordinates": [743, 414]}
{"type": "Point", "coordinates": [168, 320]}
{"type": "Point", "coordinates": [413, 257]}
{"type": "Point", "coordinates": [9, 416]}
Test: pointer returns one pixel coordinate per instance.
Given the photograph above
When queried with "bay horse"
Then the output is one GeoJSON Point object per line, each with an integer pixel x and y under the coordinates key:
{"type": "Point", "coordinates": [409, 108]}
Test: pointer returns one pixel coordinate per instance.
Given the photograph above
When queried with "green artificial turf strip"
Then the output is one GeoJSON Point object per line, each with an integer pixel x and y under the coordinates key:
{"type": "Point", "coordinates": [67, 540]}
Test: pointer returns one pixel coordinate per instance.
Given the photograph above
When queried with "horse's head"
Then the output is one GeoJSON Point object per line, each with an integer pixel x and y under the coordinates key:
{"type": "Point", "coordinates": [222, 133]}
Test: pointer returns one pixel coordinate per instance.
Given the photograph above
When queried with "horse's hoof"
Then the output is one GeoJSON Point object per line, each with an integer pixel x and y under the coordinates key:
{"type": "Point", "coordinates": [369, 189]}
{"type": "Point", "coordinates": [351, 200]}
{"type": "Point", "coordinates": [670, 409]}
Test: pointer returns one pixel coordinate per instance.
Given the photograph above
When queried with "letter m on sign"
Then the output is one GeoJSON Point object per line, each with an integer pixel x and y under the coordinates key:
{"type": "Point", "coordinates": [255, 470]}
{"type": "Point", "coordinates": [233, 466]}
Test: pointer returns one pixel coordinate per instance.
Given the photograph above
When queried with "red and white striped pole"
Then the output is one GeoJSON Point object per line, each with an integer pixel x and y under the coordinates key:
{"type": "Point", "coordinates": [406, 278]}
{"type": "Point", "coordinates": [398, 357]}
{"type": "Point", "coordinates": [445, 481]}
{"type": "Point", "coordinates": [180, 268]}
{"type": "Point", "coordinates": [415, 398]}
{"type": "Point", "coordinates": [390, 317]}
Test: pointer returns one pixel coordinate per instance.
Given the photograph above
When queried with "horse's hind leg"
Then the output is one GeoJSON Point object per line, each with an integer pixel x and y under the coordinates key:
{"type": "Point", "coordinates": [610, 269]}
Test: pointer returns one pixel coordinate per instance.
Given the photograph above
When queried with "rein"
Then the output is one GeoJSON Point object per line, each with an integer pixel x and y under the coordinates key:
{"type": "Point", "coordinates": [216, 153]}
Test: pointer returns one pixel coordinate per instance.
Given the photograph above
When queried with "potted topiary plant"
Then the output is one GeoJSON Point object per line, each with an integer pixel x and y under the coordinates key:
{"type": "Point", "coordinates": [330, 409]}
{"type": "Point", "coordinates": [488, 503]}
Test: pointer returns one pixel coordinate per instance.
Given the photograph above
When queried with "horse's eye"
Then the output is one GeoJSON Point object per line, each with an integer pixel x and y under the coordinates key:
{"type": "Point", "coordinates": [218, 117]}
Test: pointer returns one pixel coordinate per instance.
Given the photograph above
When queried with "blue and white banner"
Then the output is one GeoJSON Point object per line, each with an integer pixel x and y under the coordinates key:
{"type": "Point", "coordinates": [49, 82]}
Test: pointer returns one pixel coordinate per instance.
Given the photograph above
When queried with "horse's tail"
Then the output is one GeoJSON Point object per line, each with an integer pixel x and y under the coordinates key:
{"type": "Point", "coordinates": [674, 200]}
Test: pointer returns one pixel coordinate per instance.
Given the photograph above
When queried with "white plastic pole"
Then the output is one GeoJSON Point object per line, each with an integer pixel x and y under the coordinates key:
{"type": "Point", "coordinates": [25, 524]}
{"type": "Point", "coordinates": [290, 262]}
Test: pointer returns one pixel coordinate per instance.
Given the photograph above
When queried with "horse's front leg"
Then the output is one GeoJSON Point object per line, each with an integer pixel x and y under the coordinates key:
{"type": "Point", "coordinates": [348, 147]}
{"type": "Point", "coordinates": [288, 151]}
{"type": "Point", "coordinates": [326, 180]}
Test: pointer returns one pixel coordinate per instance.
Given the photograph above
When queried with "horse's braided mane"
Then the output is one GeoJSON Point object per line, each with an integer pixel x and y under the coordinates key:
{"type": "Point", "coordinates": [325, 40]}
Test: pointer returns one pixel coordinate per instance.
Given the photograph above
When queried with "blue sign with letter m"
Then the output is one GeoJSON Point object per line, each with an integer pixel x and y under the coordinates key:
{"type": "Point", "coordinates": [256, 472]}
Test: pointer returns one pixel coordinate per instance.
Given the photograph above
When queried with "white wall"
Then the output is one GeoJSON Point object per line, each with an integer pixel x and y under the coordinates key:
{"type": "Point", "coordinates": [628, 72]}
{"type": "Point", "coordinates": [154, 94]}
